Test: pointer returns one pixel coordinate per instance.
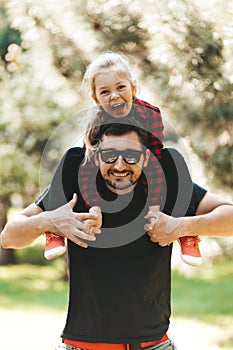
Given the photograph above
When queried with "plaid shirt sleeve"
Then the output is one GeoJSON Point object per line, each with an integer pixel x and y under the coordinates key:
{"type": "Point", "coordinates": [152, 120]}
{"type": "Point", "coordinates": [87, 184]}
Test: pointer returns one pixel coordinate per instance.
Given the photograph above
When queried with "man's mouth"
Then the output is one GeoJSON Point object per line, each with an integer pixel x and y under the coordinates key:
{"type": "Point", "coordinates": [120, 181]}
{"type": "Point", "coordinates": [120, 175]}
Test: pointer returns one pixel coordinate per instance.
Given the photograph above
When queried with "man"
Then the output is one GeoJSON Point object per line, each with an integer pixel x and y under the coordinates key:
{"type": "Point", "coordinates": [119, 288]}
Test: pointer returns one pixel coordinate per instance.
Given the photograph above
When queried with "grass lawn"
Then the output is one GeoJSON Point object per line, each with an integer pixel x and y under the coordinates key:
{"type": "Point", "coordinates": [33, 301]}
{"type": "Point", "coordinates": [206, 297]}
{"type": "Point", "coordinates": [32, 287]}
{"type": "Point", "coordinates": [207, 294]}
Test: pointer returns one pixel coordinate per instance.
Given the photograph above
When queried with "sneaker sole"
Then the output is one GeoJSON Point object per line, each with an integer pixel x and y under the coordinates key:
{"type": "Point", "coordinates": [191, 260]}
{"type": "Point", "coordinates": [54, 253]}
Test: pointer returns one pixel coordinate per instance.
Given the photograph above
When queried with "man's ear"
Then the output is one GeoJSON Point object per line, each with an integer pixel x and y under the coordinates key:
{"type": "Point", "coordinates": [147, 157]}
{"type": "Point", "coordinates": [96, 160]}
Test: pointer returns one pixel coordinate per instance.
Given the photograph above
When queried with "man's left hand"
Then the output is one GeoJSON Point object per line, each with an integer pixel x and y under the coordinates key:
{"type": "Point", "coordinates": [162, 229]}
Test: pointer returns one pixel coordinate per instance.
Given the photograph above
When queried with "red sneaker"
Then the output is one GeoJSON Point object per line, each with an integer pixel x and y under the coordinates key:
{"type": "Point", "coordinates": [190, 252]}
{"type": "Point", "coordinates": [54, 247]}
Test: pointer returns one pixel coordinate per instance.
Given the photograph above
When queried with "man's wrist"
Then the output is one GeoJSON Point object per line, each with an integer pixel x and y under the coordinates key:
{"type": "Point", "coordinates": [187, 226]}
{"type": "Point", "coordinates": [42, 224]}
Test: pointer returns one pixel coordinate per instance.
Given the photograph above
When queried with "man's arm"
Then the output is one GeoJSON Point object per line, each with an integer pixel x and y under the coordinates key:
{"type": "Point", "coordinates": [214, 219]}
{"type": "Point", "coordinates": [22, 229]}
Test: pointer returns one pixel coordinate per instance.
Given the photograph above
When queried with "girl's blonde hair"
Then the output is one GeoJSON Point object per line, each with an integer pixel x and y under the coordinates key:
{"type": "Point", "coordinates": [95, 116]}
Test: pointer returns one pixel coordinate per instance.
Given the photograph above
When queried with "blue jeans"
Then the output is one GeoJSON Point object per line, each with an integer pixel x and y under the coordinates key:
{"type": "Point", "coordinates": [166, 345]}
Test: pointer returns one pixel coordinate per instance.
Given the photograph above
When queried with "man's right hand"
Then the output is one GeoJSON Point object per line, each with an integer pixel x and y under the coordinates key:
{"type": "Point", "coordinates": [74, 226]}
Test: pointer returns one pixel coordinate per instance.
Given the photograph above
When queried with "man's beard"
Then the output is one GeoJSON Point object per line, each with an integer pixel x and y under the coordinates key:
{"type": "Point", "coordinates": [117, 185]}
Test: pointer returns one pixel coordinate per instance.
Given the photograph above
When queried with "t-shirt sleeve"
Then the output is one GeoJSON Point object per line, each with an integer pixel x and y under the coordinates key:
{"type": "Point", "coordinates": [181, 195]}
{"type": "Point", "coordinates": [42, 200]}
{"type": "Point", "coordinates": [198, 194]}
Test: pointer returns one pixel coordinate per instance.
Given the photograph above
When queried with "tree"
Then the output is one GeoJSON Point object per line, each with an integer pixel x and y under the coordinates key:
{"type": "Point", "coordinates": [31, 108]}
{"type": "Point", "coordinates": [196, 82]}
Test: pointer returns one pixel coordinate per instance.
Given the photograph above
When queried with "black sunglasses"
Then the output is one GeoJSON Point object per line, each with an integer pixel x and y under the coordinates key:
{"type": "Point", "coordinates": [110, 155]}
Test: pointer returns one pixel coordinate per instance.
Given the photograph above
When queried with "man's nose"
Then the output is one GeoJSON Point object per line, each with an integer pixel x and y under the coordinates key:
{"type": "Point", "coordinates": [120, 163]}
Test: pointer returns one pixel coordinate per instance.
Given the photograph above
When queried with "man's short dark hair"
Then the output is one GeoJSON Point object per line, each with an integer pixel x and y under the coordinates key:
{"type": "Point", "coordinates": [119, 129]}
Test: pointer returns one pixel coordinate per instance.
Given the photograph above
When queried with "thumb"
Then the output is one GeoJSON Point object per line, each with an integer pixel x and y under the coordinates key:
{"type": "Point", "coordinates": [149, 215]}
{"type": "Point", "coordinates": [95, 210]}
{"type": "Point", "coordinates": [73, 201]}
{"type": "Point", "coordinates": [151, 225]}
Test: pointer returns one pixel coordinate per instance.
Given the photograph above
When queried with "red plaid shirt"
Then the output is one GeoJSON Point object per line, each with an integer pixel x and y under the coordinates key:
{"type": "Point", "coordinates": [150, 118]}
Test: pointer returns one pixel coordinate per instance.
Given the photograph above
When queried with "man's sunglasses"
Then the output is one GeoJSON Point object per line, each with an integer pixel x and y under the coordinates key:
{"type": "Point", "coordinates": [130, 156]}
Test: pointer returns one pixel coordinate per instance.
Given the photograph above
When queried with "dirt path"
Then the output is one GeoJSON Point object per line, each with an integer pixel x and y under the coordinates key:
{"type": "Point", "coordinates": [193, 335]}
{"type": "Point", "coordinates": [19, 330]}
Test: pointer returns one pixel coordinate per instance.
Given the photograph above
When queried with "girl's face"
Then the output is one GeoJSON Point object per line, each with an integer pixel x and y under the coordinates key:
{"type": "Point", "coordinates": [114, 92]}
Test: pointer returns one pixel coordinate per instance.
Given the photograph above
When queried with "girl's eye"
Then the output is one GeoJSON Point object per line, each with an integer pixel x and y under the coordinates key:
{"type": "Point", "coordinates": [104, 92]}
{"type": "Point", "coordinates": [121, 87]}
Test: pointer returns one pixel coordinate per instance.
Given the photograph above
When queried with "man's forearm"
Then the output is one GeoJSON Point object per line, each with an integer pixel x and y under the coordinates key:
{"type": "Point", "coordinates": [22, 230]}
{"type": "Point", "coordinates": [217, 223]}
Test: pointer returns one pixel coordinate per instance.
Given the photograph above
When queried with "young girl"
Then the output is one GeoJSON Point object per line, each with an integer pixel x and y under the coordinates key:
{"type": "Point", "coordinates": [114, 91]}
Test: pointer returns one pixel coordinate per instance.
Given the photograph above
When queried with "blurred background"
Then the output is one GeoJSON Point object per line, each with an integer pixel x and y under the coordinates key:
{"type": "Point", "coordinates": [182, 55]}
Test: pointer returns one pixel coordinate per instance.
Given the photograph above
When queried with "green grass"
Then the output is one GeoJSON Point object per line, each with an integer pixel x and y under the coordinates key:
{"type": "Point", "coordinates": [204, 297]}
{"type": "Point", "coordinates": [31, 286]}
{"type": "Point", "coordinates": [207, 295]}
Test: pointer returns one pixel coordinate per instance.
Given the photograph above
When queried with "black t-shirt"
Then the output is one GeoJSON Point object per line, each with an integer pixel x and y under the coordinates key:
{"type": "Point", "coordinates": [120, 287]}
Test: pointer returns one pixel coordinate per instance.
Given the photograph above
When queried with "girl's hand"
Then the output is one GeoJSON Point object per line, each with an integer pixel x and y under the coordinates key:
{"type": "Point", "coordinates": [152, 216]}
{"type": "Point", "coordinates": [97, 221]}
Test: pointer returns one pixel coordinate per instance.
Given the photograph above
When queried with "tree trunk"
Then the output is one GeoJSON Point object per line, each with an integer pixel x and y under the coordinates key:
{"type": "Point", "coordinates": [7, 256]}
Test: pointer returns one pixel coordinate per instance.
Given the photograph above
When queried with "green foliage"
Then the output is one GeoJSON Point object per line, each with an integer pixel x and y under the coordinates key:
{"type": "Point", "coordinates": [65, 54]}
{"type": "Point", "coordinates": [199, 91]}
{"type": "Point", "coordinates": [29, 115]}
{"type": "Point", "coordinates": [124, 31]}
{"type": "Point", "coordinates": [8, 35]}
{"type": "Point", "coordinates": [31, 108]}
{"type": "Point", "coordinates": [13, 163]}
{"type": "Point", "coordinates": [33, 255]}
